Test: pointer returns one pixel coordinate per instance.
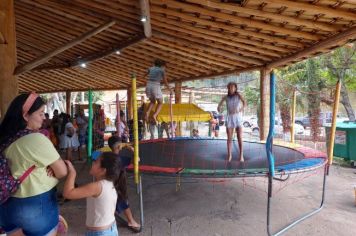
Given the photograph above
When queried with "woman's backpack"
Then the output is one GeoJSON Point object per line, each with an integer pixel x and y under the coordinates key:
{"type": "Point", "coordinates": [8, 184]}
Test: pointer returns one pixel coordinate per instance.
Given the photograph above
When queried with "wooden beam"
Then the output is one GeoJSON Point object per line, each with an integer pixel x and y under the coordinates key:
{"type": "Point", "coordinates": [97, 55]}
{"type": "Point", "coordinates": [145, 12]}
{"type": "Point", "coordinates": [68, 102]}
{"type": "Point", "coordinates": [315, 9]}
{"type": "Point", "coordinates": [8, 82]}
{"type": "Point", "coordinates": [220, 52]}
{"type": "Point", "coordinates": [264, 103]}
{"type": "Point", "coordinates": [224, 38]}
{"type": "Point", "coordinates": [44, 58]}
{"type": "Point", "coordinates": [2, 39]}
{"type": "Point", "coordinates": [240, 20]}
{"type": "Point", "coordinates": [268, 15]}
{"type": "Point", "coordinates": [231, 72]}
{"type": "Point", "coordinates": [336, 40]}
{"type": "Point", "coordinates": [226, 27]}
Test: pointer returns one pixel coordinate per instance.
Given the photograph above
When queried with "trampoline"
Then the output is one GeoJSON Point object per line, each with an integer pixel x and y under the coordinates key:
{"type": "Point", "coordinates": [207, 158]}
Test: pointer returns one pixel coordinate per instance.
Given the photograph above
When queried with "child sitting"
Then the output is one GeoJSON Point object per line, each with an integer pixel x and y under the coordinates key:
{"type": "Point", "coordinates": [123, 205]}
{"type": "Point", "coordinates": [101, 195]}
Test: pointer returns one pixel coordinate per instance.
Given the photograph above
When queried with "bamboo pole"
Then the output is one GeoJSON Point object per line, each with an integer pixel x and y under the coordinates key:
{"type": "Point", "coordinates": [90, 126]}
{"type": "Point", "coordinates": [135, 129]}
{"type": "Point", "coordinates": [333, 124]}
{"type": "Point", "coordinates": [294, 105]}
{"type": "Point", "coordinates": [47, 56]}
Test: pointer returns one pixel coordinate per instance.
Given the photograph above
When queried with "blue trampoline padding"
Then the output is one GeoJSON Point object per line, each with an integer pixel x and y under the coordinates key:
{"type": "Point", "coordinates": [302, 164]}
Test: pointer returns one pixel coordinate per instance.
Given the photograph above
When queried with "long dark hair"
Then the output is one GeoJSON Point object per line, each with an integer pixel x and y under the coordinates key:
{"type": "Point", "coordinates": [115, 173]}
{"type": "Point", "coordinates": [13, 120]}
{"type": "Point", "coordinates": [232, 84]}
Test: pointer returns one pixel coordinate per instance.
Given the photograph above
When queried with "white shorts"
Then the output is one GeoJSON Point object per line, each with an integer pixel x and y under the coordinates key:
{"type": "Point", "coordinates": [233, 120]}
{"type": "Point", "coordinates": [153, 90]}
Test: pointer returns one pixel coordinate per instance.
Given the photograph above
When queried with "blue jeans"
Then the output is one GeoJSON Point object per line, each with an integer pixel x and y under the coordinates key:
{"type": "Point", "coordinates": [112, 231]}
{"type": "Point", "coordinates": [36, 215]}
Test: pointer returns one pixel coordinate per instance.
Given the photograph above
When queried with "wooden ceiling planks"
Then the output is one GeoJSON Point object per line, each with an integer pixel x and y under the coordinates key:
{"type": "Point", "coordinates": [198, 38]}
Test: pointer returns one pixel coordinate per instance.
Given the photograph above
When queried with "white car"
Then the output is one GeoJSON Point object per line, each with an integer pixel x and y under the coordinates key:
{"type": "Point", "coordinates": [249, 121]}
{"type": "Point", "coordinates": [278, 128]}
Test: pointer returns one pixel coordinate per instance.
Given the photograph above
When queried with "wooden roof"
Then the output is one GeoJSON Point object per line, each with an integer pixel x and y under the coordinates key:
{"type": "Point", "coordinates": [197, 38]}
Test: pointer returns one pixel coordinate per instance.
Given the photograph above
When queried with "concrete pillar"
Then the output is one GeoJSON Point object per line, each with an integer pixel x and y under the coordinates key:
{"type": "Point", "coordinates": [8, 82]}
{"type": "Point", "coordinates": [264, 103]}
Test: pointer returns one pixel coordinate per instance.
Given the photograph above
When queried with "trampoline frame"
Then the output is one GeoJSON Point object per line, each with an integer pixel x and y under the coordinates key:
{"type": "Point", "coordinates": [270, 173]}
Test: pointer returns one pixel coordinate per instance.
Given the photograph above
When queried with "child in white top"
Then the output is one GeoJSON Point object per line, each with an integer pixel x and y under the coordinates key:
{"type": "Point", "coordinates": [235, 105]}
{"type": "Point", "coordinates": [101, 195]}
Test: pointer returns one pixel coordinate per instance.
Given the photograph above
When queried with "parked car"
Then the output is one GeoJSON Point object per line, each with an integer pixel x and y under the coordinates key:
{"type": "Point", "coordinates": [249, 121]}
{"type": "Point", "coordinates": [278, 128]}
{"type": "Point", "coordinates": [324, 118]}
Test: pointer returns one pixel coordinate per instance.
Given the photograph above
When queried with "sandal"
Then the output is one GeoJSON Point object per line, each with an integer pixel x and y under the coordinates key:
{"type": "Point", "coordinates": [134, 229]}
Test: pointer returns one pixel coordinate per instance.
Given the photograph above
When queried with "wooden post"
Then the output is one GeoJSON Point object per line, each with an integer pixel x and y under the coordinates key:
{"type": "Point", "coordinates": [264, 103]}
{"type": "Point", "coordinates": [8, 82]}
{"type": "Point", "coordinates": [68, 102]}
{"type": "Point", "coordinates": [129, 104]}
{"type": "Point", "coordinates": [178, 100]}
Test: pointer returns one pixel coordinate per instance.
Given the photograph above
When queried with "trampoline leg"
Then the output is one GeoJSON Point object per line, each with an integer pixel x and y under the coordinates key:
{"type": "Point", "coordinates": [139, 191]}
{"type": "Point", "coordinates": [178, 183]}
{"type": "Point", "coordinates": [297, 221]}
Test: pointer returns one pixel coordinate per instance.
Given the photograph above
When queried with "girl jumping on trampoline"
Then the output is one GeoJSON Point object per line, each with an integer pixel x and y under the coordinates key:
{"type": "Point", "coordinates": [155, 75]}
{"type": "Point", "coordinates": [234, 117]}
{"type": "Point", "coordinates": [101, 195]}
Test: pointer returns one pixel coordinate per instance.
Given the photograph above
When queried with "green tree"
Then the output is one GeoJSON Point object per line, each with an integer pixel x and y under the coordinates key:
{"type": "Point", "coordinates": [340, 64]}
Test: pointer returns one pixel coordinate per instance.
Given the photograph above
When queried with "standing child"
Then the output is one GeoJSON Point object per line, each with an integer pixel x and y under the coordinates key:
{"type": "Point", "coordinates": [101, 195]}
{"type": "Point", "coordinates": [234, 117]}
{"type": "Point", "coordinates": [123, 204]}
{"type": "Point", "coordinates": [155, 75]}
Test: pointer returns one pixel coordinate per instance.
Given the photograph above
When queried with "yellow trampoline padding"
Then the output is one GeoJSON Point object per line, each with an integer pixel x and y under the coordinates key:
{"type": "Point", "coordinates": [181, 112]}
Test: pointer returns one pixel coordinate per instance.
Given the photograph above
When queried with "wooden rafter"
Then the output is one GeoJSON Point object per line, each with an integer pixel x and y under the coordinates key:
{"type": "Point", "coordinates": [221, 52]}
{"type": "Point", "coordinates": [267, 15]}
{"type": "Point", "coordinates": [145, 12]}
{"type": "Point", "coordinates": [229, 28]}
{"type": "Point", "coordinates": [240, 20]}
{"type": "Point", "coordinates": [315, 9]}
{"type": "Point", "coordinates": [337, 39]}
{"type": "Point", "coordinates": [224, 38]}
{"type": "Point", "coordinates": [44, 58]}
{"type": "Point", "coordinates": [97, 55]}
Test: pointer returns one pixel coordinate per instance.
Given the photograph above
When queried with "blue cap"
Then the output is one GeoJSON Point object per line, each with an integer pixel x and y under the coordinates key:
{"type": "Point", "coordinates": [95, 155]}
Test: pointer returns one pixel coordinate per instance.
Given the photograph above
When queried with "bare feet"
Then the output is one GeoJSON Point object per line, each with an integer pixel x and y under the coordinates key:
{"type": "Point", "coordinates": [242, 158]}
{"type": "Point", "coordinates": [229, 158]}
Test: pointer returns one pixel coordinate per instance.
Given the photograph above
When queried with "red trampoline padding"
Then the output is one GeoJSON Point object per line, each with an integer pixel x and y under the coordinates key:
{"type": "Point", "coordinates": [311, 153]}
{"type": "Point", "coordinates": [145, 168]}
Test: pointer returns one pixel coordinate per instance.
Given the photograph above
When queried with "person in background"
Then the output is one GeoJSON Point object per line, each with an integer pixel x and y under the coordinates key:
{"type": "Point", "coordinates": [82, 123]}
{"type": "Point", "coordinates": [56, 126]}
{"type": "Point", "coordinates": [214, 125]}
{"type": "Point", "coordinates": [33, 208]}
{"type": "Point", "coordinates": [123, 205]}
{"type": "Point", "coordinates": [195, 133]}
{"type": "Point", "coordinates": [155, 75]}
{"type": "Point", "coordinates": [235, 105]}
{"type": "Point", "coordinates": [69, 137]}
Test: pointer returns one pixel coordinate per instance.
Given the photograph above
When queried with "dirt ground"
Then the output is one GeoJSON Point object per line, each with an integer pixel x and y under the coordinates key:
{"type": "Point", "coordinates": [229, 207]}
